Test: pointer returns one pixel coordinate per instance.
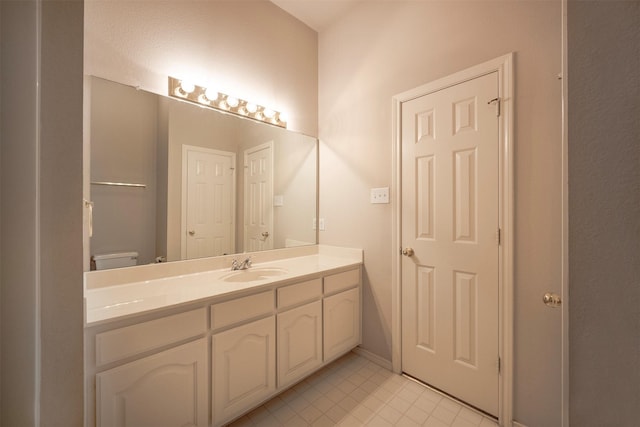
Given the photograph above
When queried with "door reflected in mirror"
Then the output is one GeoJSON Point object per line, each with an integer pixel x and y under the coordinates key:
{"type": "Point", "coordinates": [207, 183]}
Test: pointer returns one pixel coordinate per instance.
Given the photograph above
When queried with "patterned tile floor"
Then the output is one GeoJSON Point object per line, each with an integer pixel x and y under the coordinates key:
{"type": "Point", "coordinates": [354, 391]}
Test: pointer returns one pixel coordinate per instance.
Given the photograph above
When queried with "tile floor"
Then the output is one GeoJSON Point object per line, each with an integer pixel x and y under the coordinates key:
{"type": "Point", "coordinates": [354, 391]}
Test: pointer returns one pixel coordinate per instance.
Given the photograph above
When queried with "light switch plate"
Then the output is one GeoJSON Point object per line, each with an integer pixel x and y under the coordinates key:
{"type": "Point", "coordinates": [319, 222]}
{"type": "Point", "coordinates": [380, 195]}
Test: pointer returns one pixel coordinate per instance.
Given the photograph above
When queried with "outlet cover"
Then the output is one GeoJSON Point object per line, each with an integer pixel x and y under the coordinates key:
{"type": "Point", "coordinates": [380, 195]}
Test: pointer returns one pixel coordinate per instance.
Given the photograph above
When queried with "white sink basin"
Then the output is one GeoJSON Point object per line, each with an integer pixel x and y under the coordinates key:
{"type": "Point", "coordinates": [253, 274]}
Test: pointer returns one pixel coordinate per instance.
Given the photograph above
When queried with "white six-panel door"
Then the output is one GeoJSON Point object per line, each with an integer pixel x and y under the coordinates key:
{"type": "Point", "coordinates": [258, 197]}
{"type": "Point", "coordinates": [450, 208]}
{"type": "Point", "coordinates": [209, 210]}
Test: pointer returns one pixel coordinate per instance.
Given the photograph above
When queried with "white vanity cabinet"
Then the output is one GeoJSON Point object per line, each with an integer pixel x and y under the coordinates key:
{"type": "Point", "coordinates": [213, 360]}
{"type": "Point", "coordinates": [243, 357]}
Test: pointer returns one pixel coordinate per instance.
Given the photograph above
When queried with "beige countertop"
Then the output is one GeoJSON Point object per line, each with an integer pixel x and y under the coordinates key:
{"type": "Point", "coordinates": [136, 291]}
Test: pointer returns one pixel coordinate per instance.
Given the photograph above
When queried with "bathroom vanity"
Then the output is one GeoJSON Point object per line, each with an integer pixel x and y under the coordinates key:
{"type": "Point", "coordinates": [193, 343]}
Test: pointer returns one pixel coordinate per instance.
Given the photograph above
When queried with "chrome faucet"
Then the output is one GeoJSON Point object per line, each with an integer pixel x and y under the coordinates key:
{"type": "Point", "coordinates": [241, 265]}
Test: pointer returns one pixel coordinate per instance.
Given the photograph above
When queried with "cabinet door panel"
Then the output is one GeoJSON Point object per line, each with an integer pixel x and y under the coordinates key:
{"type": "Point", "coordinates": [341, 323]}
{"type": "Point", "coordinates": [167, 389]}
{"type": "Point", "coordinates": [299, 342]}
{"type": "Point", "coordinates": [243, 368]}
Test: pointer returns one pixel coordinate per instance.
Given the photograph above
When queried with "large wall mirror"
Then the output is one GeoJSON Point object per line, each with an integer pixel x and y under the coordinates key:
{"type": "Point", "coordinates": [171, 180]}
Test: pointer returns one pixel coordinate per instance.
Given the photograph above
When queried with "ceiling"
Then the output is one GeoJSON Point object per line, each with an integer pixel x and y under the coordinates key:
{"type": "Point", "coordinates": [317, 14]}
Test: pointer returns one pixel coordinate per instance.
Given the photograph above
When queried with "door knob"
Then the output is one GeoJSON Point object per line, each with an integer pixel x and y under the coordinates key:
{"type": "Point", "coordinates": [551, 299]}
{"type": "Point", "coordinates": [408, 252]}
{"type": "Point", "coordinates": [265, 234]}
{"type": "Point", "coordinates": [192, 233]}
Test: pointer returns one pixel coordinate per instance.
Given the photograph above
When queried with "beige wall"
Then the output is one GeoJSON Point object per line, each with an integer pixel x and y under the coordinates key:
{"type": "Point", "coordinates": [604, 212]}
{"type": "Point", "coordinates": [249, 49]}
{"type": "Point", "coordinates": [383, 48]}
{"type": "Point", "coordinates": [41, 213]}
{"type": "Point", "coordinates": [124, 135]}
{"type": "Point", "coordinates": [294, 179]}
{"type": "Point", "coordinates": [18, 226]}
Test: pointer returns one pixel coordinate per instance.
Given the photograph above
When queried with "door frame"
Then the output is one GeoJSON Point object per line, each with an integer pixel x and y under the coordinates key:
{"type": "Point", "coordinates": [185, 166]}
{"type": "Point", "coordinates": [564, 285]}
{"type": "Point", "coordinates": [503, 65]}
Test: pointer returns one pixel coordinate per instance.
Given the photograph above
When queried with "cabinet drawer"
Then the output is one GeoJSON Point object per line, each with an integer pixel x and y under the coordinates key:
{"type": "Point", "coordinates": [340, 281]}
{"type": "Point", "coordinates": [300, 292]}
{"type": "Point", "coordinates": [124, 342]}
{"type": "Point", "coordinates": [238, 310]}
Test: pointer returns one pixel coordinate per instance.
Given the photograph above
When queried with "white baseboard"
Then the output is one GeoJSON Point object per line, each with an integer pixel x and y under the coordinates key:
{"type": "Point", "coordinates": [373, 358]}
{"type": "Point", "coordinates": [517, 424]}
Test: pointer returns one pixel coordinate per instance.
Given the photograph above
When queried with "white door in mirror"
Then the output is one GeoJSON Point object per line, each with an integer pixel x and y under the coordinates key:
{"type": "Point", "coordinates": [209, 203]}
{"type": "Point", "coordinates": [258, 190]}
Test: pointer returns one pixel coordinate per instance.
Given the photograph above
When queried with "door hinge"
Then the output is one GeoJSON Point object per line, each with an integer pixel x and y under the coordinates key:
{"type": "Point", "coordinates": [499, 365]}
{"type": "Point", "coordinates": [499, 236]}
{"type": "Point", "coordinates": [498, 102]}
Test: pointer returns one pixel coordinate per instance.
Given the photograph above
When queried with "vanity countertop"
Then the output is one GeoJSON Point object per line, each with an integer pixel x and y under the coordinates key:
{"type": "Point", "coordinates": [146, 291]}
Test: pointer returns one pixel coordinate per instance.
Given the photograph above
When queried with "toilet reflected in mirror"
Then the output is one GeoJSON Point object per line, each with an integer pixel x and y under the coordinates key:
{"type": "Point", "coordinates": [114, 260]}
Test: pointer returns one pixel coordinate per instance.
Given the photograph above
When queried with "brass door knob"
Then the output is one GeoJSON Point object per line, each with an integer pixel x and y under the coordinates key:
{"type": "Point", "coordinates": [192, 233]}
{"type": "Point", "coordinates": [408, 252]}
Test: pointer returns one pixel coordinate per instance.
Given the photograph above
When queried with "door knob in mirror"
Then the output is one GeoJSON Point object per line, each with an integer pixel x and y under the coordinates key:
{"type": "Point", "coordinates": [551, 299]}
{"type": "Point", "coordinates": [408, 252]}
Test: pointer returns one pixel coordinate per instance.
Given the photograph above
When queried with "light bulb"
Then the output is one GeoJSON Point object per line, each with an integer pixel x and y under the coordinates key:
{"type": "Point", "coordinates": [232, 102]}
{"type": "Point", "coordinates": [211, 94]}
{"type": "Point", "coordinates": [269, 113]}
{"type": "Point", "coordinates": [283, 117]}
{"type": "Point", "coordinates": [187, 86]}
{"type": "Point", "coordinates": [252, 108]}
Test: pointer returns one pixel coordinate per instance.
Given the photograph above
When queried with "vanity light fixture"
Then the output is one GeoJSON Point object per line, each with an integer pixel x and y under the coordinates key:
{"type": "Point", "coordinates": [187, 91]}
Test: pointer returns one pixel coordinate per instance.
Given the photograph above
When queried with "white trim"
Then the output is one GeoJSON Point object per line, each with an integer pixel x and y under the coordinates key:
{"type": "Point", "coordinates": [396, 238]}
{"type": "Point", "coordinates": [372, 357]}
{"type": "Point", "coordinates": [564, 281]}
{"type": "Point", "coordinates": [504, 67]}
{"type": "Point", "coordinates": [517, 424]}
{"type": "Point", "coordinates": [183, 213]}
